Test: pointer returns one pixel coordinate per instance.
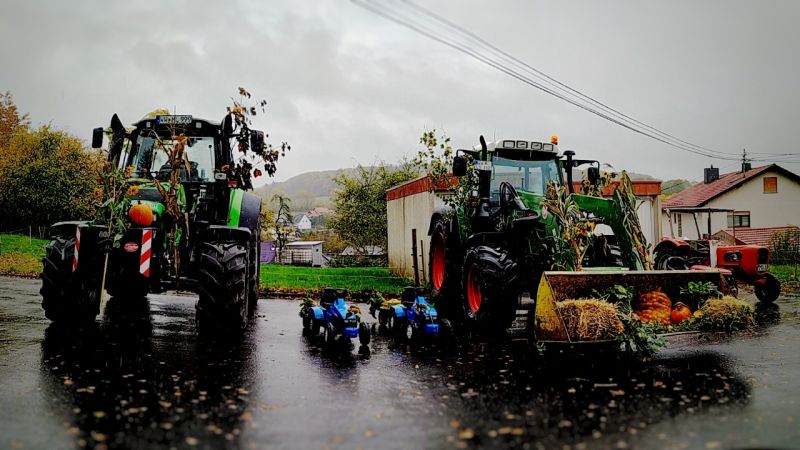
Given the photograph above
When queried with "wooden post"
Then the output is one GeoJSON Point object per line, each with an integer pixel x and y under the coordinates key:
{"type": "Point", "coordinates": [414, 256]}
{"type": "Point", "coordinates": [422, 255]}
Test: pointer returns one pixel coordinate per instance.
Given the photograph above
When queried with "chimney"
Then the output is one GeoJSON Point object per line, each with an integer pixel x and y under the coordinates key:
{"type": "Point", "coordinates": [746, 166]}
{"type": "Point", "coordinates": [710, 174]}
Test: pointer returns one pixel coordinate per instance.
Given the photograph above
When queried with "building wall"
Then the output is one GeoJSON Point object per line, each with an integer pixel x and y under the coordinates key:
{"type": "Point", "coordinates": [404, 214]}
{"type": "Point", "coordinates": [766, 210]}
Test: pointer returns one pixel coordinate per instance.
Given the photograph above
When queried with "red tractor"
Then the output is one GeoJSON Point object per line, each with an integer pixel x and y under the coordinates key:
{"type": "Point", "coordinates": [746, 263]}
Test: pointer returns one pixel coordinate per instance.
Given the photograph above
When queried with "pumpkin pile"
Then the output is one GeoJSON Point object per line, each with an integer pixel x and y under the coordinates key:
{"type": "Point", "coordinates": [654, 306]}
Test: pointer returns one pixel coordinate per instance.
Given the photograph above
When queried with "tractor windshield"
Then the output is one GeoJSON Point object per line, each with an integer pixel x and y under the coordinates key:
{"type": "Point", "coordinates": [150, 158]}
{"type": "Point", "coordinates": [529, 176]}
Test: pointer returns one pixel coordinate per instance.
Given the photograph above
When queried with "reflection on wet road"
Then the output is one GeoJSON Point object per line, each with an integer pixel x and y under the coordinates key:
{"type": "Point", "coordinates": [143, 378]}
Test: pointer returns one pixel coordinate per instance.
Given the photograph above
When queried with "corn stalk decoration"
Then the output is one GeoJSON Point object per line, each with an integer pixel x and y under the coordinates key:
{"type": "Point", "coordinates": [178, 219]}
{"type": "Point", "coordinates": [572, 231]}
{"type": "Point", "coordinates": [630, 219]}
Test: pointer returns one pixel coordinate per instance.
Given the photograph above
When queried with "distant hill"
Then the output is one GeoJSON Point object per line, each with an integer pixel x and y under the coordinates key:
{"type": "Point", "coordinates": [671, 187]}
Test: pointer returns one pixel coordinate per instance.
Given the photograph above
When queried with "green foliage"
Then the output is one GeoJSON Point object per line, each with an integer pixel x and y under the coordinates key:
{"type": "Point", "coordinates": [283, 223]}
{"type": "Point", "coordinates": [638, 338]}
{"type": "Point", "coordinates": [21, 255]}
{"type": "Point", "coordinates": [113, 210]}
{"type": "Point", "coordinates": [360, 204]}
{"type": "Point", "coordinates": [436, 161]}
{"type": "Point", "coordinates": [294, 278]}
{"type": "Point", "coordinates": [305, 304]}
{"type": "Point", "coordinates": [630, 219]}
{"type": "Point", "coordinates": [697, 292]}
{"type": "Point", "coordinates": [784, 247]}
{"type": "Point", "coordinates": [46, 176]}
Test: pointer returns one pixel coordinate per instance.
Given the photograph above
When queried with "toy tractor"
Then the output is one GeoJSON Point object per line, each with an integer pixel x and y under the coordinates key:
{"type": "Point", "coordinates": [336, 318]}
{"type": "Point", "coordinates": [491, 257]}
{"type": "Point", "coordinates": [412, 318]}
{"type": "Point", "coordinates": [217, 249]}
{"type": "Point", "coordinates": [747, 263]}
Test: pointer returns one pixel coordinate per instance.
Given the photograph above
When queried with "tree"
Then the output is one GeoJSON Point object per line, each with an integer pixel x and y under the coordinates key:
{"type": "Point", "coordinates": [284, 222]}
{"type": "Point", "coordinates": [360, 204]}
{"type": "Point", "coordinates": [46, 176]}
{"type": "Point", "coordinates": [10, 120]}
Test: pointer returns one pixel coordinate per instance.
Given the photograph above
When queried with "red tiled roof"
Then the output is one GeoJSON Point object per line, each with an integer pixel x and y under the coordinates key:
{"type": "Point", "coordinates": [757, 236]}
{"type": "Point", "coordinates": [701, 193]}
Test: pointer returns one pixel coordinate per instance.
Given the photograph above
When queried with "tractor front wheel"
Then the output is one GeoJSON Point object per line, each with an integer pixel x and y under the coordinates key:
{"type": "Point", "coordinates": [485, 280]}
{"type": "Point", "coordinates": [67, 296]}
{"type": "Point", "coordinates": [223, 280]}
{"type": "Point", "coordinates": [768, 288]}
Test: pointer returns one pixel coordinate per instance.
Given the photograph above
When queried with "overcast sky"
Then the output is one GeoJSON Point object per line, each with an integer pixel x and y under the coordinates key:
{"type": "Point", "coordinates": [345, 86]}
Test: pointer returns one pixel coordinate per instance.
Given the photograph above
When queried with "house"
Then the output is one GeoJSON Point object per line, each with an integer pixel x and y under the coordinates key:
{"type": "Point", "coordinates": [751, 236]}
{"type": "Point", "coordinates": [302, 223]}
{"type": "Point", "coordinates": [754, 197]}
{"type": "Point", "coordinates": [410, 206]}
{"type": "Point", "coordinates": [302, 253]}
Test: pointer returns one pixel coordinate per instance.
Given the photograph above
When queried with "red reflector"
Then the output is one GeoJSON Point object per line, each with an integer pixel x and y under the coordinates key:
{"type": "Point", "coordinates": [131, 247]}
{"type": "Point", "coordinates": [232, 183]}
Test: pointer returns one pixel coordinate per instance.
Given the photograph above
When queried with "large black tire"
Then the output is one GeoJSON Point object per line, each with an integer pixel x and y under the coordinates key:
{"type": "Point", "coordinates": [253, 275]}
{"type": "Point", "coordinates": [488, 301]}
{"type": "Point", "coordinates": [669, 259]}
{"type": "Point", "coordinates": [223, 302]}
{"type": "Point", "coordinates": [444, 270]}
{"type": "Point", "coordinates": [363, 333]}
{"type": "Point", "coordinates": [67, 297]}
{"type": "Point", "coordinates": [768, 288]}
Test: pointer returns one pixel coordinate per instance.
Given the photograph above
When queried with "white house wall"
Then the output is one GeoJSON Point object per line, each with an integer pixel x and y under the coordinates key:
{"type": "Point", "coordinates": [403, 215]}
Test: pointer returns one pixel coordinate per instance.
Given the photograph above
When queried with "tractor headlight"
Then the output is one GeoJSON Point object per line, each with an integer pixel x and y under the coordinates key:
{"type": "Point", "coordinates": [732, 257]}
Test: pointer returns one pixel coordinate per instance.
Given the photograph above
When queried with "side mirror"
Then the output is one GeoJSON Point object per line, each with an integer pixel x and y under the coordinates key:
{"type": "Point", "coordinates": [459, 166]}
{"type": "Point", "coordinates": [97, 137]}
{"type": "Point", "coordinates": [593, 174]}
{"type": "Point", "coordinates": [257, 141]}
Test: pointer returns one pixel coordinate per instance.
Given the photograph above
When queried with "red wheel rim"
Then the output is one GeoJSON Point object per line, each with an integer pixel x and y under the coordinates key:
{"type": "Point", "coordinates": [437, 263]}
{"type": "Point", "coordinates": [474, 296]}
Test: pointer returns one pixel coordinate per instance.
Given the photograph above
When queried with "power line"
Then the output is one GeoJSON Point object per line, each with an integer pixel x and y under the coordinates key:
{"type": "Point", "coordinates": [604, 111]}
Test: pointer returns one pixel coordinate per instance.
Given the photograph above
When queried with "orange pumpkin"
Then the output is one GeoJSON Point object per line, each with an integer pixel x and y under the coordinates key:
{"type": "Point", "coordinates": [141, 214]}
{"type": "Point", "coordinates": [654, 306]}
{"type": "Point", "coordinates": [680, 312]}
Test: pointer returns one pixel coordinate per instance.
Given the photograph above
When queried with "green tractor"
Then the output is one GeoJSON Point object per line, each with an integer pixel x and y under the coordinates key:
{"type": "Point", "coordinates": [218, 248]}
{"type": "Point", "coordinates": [490, 258]}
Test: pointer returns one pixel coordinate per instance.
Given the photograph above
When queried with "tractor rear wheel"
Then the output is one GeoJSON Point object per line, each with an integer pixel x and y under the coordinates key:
{"type": "Point", "coordinates": [445, 269]}
{"type": "Point", "coordinates": [67, 296]}
{"type": "Point", "coordinates": [223, 281]}
{"type": "Point", "coordinates": [768, 288]}
{"type": "Point", "coordinates": [484, 289]}
{"type": "Point", "coordinates": [668, 259]}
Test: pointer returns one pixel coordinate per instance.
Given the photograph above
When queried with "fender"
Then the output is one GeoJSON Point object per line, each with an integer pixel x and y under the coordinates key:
{"type": "Point", "coordinates": [66, 229]}
{"type": "Point", "coordinates": [438, 213]}
{"type": "Point", "coordinates": [318, 312]}
{"type": "Point", "coordinates": [667, 242]}
{"type": "Point", "coordinates": [244, 209]}
{"type": "Point", "coordinates": [222, 233]}
{"type": "Point", "coordinates": [399, 311]}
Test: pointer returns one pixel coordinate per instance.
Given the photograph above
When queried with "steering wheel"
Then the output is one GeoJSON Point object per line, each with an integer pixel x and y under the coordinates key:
{"type": "Point", "coordinates": [509, 196]}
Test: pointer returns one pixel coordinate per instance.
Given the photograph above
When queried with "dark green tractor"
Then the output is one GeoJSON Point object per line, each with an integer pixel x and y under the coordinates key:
{"type": "Point", "coordinates": [488, 256]}
{"type": "Point", "coordinates": [218, 245]}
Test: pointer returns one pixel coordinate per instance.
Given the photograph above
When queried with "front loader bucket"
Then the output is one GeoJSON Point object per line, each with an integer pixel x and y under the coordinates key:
{"type": "Point", "coordinates": [556, 287]}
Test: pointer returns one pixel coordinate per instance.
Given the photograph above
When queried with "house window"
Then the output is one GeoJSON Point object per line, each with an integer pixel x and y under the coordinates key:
{"type": "Point", "coordinates": [739, 219]}
{"type": "Point", "coordinates": [770, 185]}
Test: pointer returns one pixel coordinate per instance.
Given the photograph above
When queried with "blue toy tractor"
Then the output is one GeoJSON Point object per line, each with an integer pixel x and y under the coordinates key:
{"type": "Point", "coordinates": [413, 318]}
{"type": "Point", "coordinates": [336, 318]}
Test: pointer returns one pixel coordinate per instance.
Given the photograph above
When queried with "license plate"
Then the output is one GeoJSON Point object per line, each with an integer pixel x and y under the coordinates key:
{"type": "Point", "coordinates": [174, 120]}
{"type": "Point", "coordinates": [483, 165]}
{"type": "Point", "coordinates": [762, 267]}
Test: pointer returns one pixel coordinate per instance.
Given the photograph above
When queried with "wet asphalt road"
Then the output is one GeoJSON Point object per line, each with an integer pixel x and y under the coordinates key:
{"type": "Point", "coordinates": [142, 378]}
